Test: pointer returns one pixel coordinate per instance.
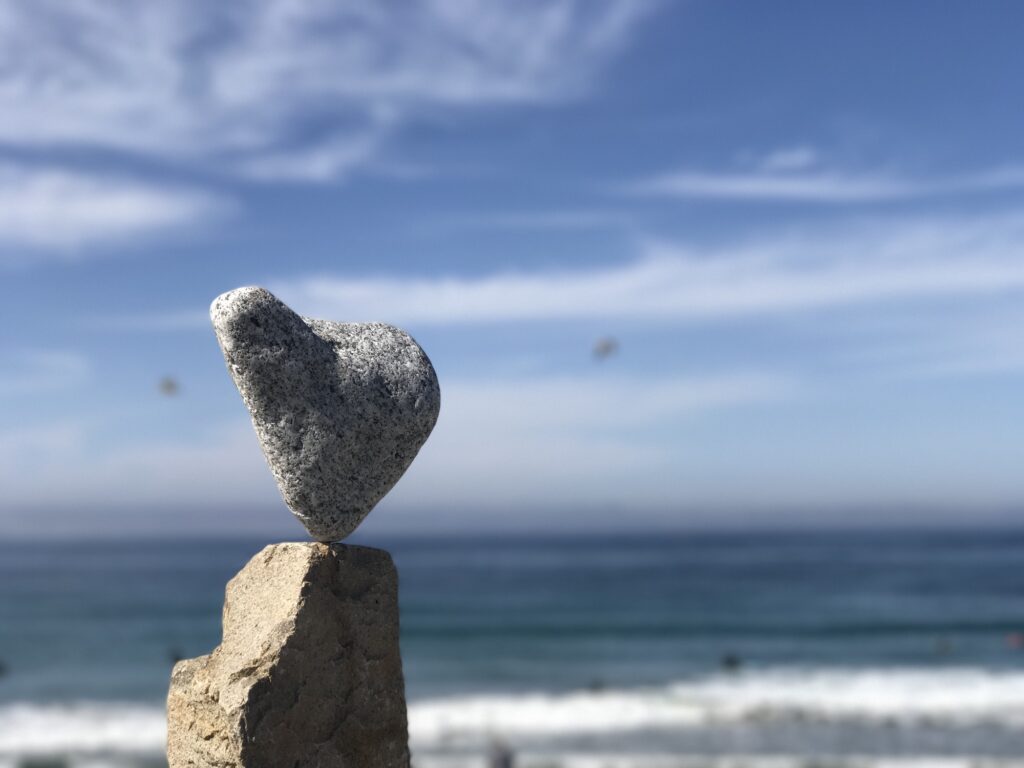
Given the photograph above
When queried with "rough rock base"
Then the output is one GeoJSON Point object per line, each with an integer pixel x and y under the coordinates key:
{"type": "Point", "coordinates": [308, 672]}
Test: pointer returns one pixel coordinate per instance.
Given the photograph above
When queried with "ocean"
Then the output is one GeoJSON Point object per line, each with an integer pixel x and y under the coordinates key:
{"type": "Point", "coordinates": [758, 649]}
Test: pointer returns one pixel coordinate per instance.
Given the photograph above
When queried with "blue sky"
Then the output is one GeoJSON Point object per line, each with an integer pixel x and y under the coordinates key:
{"type": "Point", "coordinates": [802, 222]}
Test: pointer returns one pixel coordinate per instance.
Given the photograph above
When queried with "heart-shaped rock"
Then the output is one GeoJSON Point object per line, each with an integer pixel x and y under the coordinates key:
{"type": "Point", "coordinates": [340, 409]}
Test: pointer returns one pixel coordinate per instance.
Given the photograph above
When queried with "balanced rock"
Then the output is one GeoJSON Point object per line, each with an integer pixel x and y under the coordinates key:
{"type": "Point", "coordinates": [308, 674]}
{"type": "Point", "coordinates": [340, 409]}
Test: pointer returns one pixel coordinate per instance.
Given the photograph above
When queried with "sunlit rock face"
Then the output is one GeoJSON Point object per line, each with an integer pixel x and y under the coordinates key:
{"type": "Point", "coordinates": [308, 672]}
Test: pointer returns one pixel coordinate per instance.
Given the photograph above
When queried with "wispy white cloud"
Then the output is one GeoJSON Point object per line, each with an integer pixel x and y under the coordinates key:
{"type": "Point", "coordinates": [790, 177]}
{"type": "Point", "coordinates": [331, 160]}
{"type": "Point", "coordinates": [271, 90]}
{"type": "Point", "coordinates": [241, 82]}
{"type": "Point", "coordinates": [564, 220]}
{"type": "Point", "coordinates": [50, 208]}
{"type": "Point", "coordinates": [815, 187]}
{"type": "Point", "coordinates": [31, 372]}
{"type": "Point", "coordinates": [961, 340]}
{"type": "Point", "coordinates": [937, 289]}
{"type": "Point", "coordinates": [874, 261]}
{"type": "Point", "coordinates": [790, 159]}
{"type": "Point", "coordinates": [564, 403]}
{"type": "Point", "coordinates": [27, 445]}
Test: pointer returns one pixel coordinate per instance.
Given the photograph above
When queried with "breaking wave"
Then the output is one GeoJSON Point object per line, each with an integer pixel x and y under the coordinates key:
{"type": "Point", "coordinates": [956, 697]}
{"type": "Point", "coordinates": [952, 698]}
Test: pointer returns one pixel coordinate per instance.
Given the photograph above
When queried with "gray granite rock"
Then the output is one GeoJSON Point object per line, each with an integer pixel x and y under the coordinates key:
{"type": "Point", "coordinates": [340, 409]}
{"type": "Point", "coordinates": [308, 674]}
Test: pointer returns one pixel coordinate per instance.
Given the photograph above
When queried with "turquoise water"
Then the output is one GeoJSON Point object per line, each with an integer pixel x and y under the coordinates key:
{"type": "Point", "coordinates": [706, 644]}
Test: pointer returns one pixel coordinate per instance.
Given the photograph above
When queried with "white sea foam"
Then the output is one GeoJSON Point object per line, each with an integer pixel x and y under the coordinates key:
{"type": "Point", "coordinates": [954, 697]}
{"type": "Point", "coordinates": [949, 697]}
{"type": "Point", "coordinates": [30, 729]}
{"type": "Point", "coordinates": [645, 760]}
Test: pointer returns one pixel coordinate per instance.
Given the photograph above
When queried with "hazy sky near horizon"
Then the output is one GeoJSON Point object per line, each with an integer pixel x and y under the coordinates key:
{"type": "Point", "coordinates": [802, 222]}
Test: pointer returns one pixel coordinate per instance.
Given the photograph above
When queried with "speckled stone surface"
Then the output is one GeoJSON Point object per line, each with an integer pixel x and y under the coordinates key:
{"type": "Point", "coordinates": [340, 409]}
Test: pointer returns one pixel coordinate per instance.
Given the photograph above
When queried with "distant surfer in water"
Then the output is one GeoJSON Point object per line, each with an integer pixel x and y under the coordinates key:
{"type": "Point", "coordinates": [501, 756]}
{"type": "Point", "coordinates": [730, 662]}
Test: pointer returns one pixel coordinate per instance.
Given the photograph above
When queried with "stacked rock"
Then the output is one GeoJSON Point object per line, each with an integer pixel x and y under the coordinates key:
{"type": "Point", "coordinates": [308, 672]}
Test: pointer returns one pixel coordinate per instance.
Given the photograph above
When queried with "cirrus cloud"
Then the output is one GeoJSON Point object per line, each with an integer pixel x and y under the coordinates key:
{"type": "Point", "coordinates": [861, 263]}
{"type": "Point", "coordinates": [261, 90]}
{"type": "Point", "coordinates": [239, 81]}
{"type": "Point", "coordinates": [52, 209]}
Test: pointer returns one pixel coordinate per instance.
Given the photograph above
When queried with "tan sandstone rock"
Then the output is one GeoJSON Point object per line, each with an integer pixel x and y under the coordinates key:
{"type": "Point", "coordinates": [308, 672]}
